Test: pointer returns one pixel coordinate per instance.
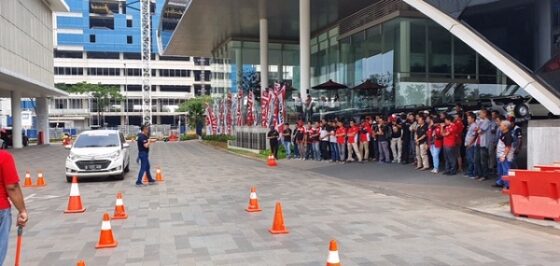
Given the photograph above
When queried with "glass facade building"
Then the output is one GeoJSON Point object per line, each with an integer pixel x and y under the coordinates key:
{"type": "Point", "coordinates": [420, 63]}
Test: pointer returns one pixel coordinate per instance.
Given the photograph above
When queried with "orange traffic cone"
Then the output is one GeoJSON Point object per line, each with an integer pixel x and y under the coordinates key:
{"type": "Point", "coordinates": [272, 161]}
{"type": "Point", "coordinates": [27, 182]}
{"type": "Point", "coordinates": [81, 263]}
{"type": "Point", "coordinates": [278, 226]}
{"type": "Point", "coordinates": [253, 201]}
{"type": "Point", "coordinates": [159, 175]}
{"type": "Point", "coordinates": [75, 200]}
{"type": "Point", "coordinates": [120, 212]}
{"type": "Point", "coordinates": [106, 236]}
{"type": "Point", "coordinates": [40, 180]}
{"type": "Point", "coordinates": [333, 259]}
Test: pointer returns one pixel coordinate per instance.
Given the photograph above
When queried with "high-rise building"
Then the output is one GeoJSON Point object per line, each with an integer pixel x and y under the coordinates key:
{"type": "Point", "coordinates": [26, 64]}
{"type": "Point", "coordinates": [98, 42]}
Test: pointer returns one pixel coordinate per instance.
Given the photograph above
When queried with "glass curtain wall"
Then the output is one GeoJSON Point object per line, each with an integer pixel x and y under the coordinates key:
{"type": "Point", "coordinates": [418, 62]}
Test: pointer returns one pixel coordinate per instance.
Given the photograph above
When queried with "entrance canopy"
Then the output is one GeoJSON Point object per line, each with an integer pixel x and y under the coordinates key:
{"type": "Point", "coordinates": [205, 24]}
{"type": "Point", "coordinates": [10, 81]}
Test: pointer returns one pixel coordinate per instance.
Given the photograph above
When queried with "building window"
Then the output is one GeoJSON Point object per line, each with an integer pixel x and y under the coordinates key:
{"type": "Point", "coordinates": [129, 23]}
{"type": "Point", "coordinates": [129, 39]}
{"type": "Point", "coordinates": [102, 55]}
{"type": "Point", "coordinates": [92, 38]}
{"type": "Point", "coordinates": [67, 54]}
{"type": "Point", "coordinates": [175, 88]}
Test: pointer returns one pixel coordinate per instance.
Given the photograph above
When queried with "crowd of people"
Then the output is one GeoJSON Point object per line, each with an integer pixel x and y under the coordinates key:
{"type": "Point", "coordinates": [479, 144]}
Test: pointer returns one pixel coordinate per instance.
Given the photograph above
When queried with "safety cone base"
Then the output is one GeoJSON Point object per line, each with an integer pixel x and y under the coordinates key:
{"type": "Point", "coordinates": [112, 245]}
{"type": "Point", "coordinates": [278, 232]}
{"type": "Point", "coordinates": [123, 216]}
{"type": "Point", "coordinates": [75, 211]}
{"type": "Point", "coordinates": [253, 210]}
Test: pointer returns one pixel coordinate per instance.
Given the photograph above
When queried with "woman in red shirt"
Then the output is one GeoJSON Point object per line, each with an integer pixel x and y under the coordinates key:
{"type": "Point", "coordinates": [340, 134]}
{"type": "Point", "coordinates": [352, 134]}
{"type": "Point", "coordinates": [449, 132]}
{"type": "Point", "coordinates": [435, 142]}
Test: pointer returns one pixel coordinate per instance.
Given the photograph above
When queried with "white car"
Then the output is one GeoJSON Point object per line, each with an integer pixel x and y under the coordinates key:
{"type": "Point", "coordinates": [98, 153]}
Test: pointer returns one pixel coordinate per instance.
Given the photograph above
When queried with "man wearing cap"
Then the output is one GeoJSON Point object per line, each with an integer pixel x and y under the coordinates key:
{"type": "Point", "coordinates": [144, 144]}
{"type": "Point", "coordinates": [9, 189]}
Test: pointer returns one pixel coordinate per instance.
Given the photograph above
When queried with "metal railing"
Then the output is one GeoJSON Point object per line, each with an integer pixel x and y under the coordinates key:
{"type": "Point", "coordinates": [253, 138]}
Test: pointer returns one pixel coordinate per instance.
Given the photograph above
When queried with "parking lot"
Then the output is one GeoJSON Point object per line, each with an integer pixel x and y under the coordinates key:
{"type": "Point", "coordinates": [196, 217]}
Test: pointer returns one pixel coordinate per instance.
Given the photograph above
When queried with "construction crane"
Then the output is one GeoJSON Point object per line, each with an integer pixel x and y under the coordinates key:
{"type": "Point", "coordinates": [146, 55]}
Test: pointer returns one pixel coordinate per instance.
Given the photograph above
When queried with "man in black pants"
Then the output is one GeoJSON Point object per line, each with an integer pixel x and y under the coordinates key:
{"type": "Point", "coordinates": [273, 137]}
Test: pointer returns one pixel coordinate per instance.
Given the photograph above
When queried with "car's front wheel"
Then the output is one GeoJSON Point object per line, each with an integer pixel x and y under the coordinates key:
{"type": "Point", "coordinates": [127, 168]}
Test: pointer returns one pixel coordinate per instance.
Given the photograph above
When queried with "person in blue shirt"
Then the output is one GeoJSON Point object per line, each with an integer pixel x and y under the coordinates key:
{"type": "Point", "coordinates": [144, 143]}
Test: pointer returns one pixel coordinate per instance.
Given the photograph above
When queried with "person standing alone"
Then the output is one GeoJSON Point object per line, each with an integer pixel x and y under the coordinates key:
{"type": "Point", "coordinates": [273, 137]}
{"type": "Point", "coordinates": [144, 144]}
{"type": "Point", "coordinates": [9, 189]}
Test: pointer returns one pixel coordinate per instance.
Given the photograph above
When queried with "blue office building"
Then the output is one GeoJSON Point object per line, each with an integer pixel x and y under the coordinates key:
{"type": "Point", "coordinates": [99, 41]}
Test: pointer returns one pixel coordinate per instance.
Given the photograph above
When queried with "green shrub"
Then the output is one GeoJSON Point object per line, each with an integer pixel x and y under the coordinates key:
{"type": "Point", "coordinates": [189, 136]}
{"type": "Point", "coordinates": [281, 152]}
{"type": "Point", "coordinates": [218, 138]}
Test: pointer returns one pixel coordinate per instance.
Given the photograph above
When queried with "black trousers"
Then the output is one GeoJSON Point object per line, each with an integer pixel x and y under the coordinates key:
{"type": "Point", "coordinates": [325, 151]}
{"type": "Point", "coordinates": [274, 148]}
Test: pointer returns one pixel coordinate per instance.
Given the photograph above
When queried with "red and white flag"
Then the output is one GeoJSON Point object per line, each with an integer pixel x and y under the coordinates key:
{"type": "Point", "coordinates": [239, 104]}
{"type": "Point", "coordinates": [281, 108]}
{"type": "Point", "coordinates": [229, 117]}
{"type": "Point", "coordinates": [250, 112]}
{"type": "Point", "coordinates": [265, 100]}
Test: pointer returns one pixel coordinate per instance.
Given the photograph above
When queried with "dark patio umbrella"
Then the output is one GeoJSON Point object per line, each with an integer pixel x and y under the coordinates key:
{"type": "Point", "coordinates": [368, 85]}
{"type": "Point", "coordinates": [330, 85]}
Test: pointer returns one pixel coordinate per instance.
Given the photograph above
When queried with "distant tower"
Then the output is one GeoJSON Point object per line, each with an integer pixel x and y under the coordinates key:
{"type": "Point", "coordinates": [146, 37]}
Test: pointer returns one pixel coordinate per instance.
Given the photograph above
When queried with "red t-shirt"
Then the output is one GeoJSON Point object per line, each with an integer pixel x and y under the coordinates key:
{"type": "Point", "coordinates": [434, 136]}
{"type": "Point", "coordinates": [460, 127]}
{"type": "Point", "coordinates": [352, 134]}
{"type": "Point", "coordinates": [366, 137]}
{"type": "Point", "coordinates": [340, 135]}
{"type": "Point", "coordinates": [450, 140]}
{"type": "Point", "coordinates": [8, 176]}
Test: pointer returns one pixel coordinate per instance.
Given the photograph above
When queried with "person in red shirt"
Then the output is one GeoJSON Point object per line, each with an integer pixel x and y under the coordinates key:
{"type": "Point", "coordinates": [353, 136]}
{"type": "Point", "coordinates": [435, 142]}
{"type": "Point", "coordinates": [460, 128]}
{"type": "Point", "coordinates": [365, 137]}
{"type": "Point", "coordinates": [449, 132]}
{"type": "Point", "coordinates": [9, 189]}
{"type": "Point", "coordinates": [301, 140]}
{"type": "Point", "coordinates": [340, 135]}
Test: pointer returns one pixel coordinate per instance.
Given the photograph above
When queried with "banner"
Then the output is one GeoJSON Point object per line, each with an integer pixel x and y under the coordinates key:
{"type": "Point", "coordinates": [281, 108]}
{"type": "Point", "coordinates": [221, 119]}
{"type": "Point", "coordinates": [208, 120]}
{"type": "Point", "coordinates": [229, 116]}
{"type": "Point", "coordinates": [250, 112]}
{"type": "Point", "coordinates": [265, 100]}
{"type": "Point", "coordinates": [214, 122]}
{"type": "Point", "coordinates": [239, 105]}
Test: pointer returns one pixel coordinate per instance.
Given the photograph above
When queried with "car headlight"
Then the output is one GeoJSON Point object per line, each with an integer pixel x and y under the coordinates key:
{"type": "Point", "coordinates": [115, 155]}
{"type": "Point", "coordinates": [72, 156]}
{"type": "Point", "coordinates": [510, 107]}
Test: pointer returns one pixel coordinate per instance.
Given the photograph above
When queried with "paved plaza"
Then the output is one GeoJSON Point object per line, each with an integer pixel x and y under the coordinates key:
{"type": "Point", "coordinates": [197, 217]}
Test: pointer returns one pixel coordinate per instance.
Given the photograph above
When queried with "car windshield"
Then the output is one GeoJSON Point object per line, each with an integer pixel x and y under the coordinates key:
{"type": "Point", "coordinates": [97, 140]}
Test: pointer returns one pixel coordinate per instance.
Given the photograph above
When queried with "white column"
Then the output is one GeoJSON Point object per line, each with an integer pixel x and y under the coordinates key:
{"type": "Point", "coordinates": [543, 37]}
{"type": "Point", "coordinates": [304, 47]}
{"type": "Point", "coordinates": [43, 117]}
{"type": "Point", "coordinates": [239, 65]}
{"type": "Point", "coordinates": [16, 120]}
{"type": "Point", "coordinates": [263, 44]}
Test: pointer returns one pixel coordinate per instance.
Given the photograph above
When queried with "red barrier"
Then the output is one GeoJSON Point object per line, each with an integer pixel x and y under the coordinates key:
{"type": "Point", "coordinates": [534, 194]}
{"type": "Point", "coordinates": [547, 167]}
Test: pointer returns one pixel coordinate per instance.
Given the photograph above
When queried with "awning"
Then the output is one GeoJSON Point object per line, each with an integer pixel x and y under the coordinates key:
{"type": "Point", "coordinates": [10, 81]}
{"type": "Point", "coordinates": [206, 24]}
